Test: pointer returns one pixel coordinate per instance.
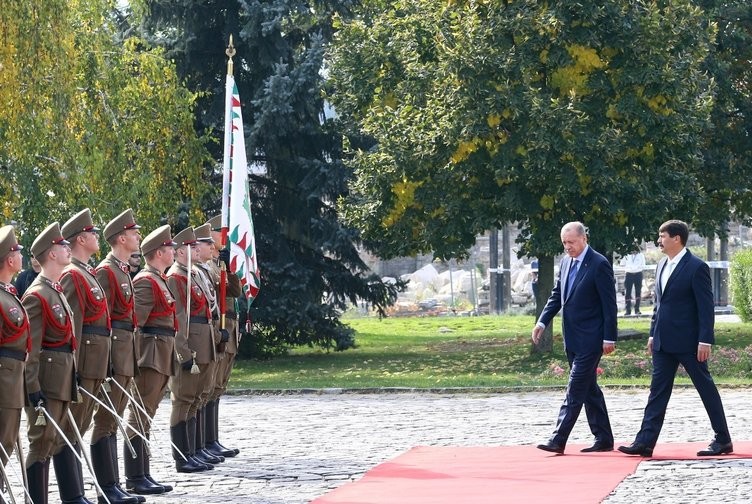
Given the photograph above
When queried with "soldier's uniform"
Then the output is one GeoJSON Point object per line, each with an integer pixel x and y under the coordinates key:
{"type": "Point", "coordinates": [194, 347]}
{"type": "Point", "coordinates": [205, 280]}
{"type": "Point", "coordinates": [155, 343]}
{"type": "Point", "coordinates": [50, 369]}
{"type": "Point", "coordinates": [226, 353]}
{"type": "Point", "coordinates": [91, 325]}
{"type": "Point", "coordinates": [113, 275]}
{"type": "Point", "coordinates": [15, 344]}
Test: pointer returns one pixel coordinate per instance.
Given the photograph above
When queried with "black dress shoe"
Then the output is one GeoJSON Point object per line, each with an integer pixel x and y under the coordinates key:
{"type": "Point", "coordinates": [637, 449]}
{"type": "Point", "coordinates": [551, 447]}
{"type": "Point", "coordinates": [716, 448]}
{"type": "Point", "coordinates": [599, 447]}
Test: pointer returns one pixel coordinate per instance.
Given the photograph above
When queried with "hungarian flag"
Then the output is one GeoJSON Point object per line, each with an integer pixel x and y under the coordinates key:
{"type": "Point", "coordinates": [237, 221]}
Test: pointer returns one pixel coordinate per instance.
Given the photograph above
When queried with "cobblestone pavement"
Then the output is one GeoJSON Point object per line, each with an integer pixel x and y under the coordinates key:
{"type": "Point", "coordinates": [296, 447]}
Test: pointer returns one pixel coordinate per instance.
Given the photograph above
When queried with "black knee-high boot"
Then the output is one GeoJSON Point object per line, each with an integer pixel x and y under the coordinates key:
{"type": "Point", "coordinates": [147, 470]}
{"type": "Point", "coordinates": [70, 479]}
{"type": "Point", "coordinates": [216, 430]}
{"type": "Point", "coordinates": [189, 464]}
{"type": "Point", "coordinates": [211, 433]}
{"type": "Point", "coordinates": [201, 453]}
{"type": "Point", "coordinates": [104, 470]}
{"type": "Point", "coordinates": [38, 477]}
{"type": "Point", "coordinates": [135, 479]}
{"type": "Point", "coordinates": [112, 440]}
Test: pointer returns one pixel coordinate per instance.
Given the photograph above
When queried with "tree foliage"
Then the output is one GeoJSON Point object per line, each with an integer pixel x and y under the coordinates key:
{"type": "Point", "coordinates": [469, 114]}
{"type": "Point", "coordinates": [466, 115]}
{"type": "Point", "coordinates": [741, 284]}
{"type": "Point", "coordinates": [89, 120]}
{"type": "Point", "coordinates": [309, 264]}
{"type": "Point", "coordinates": [727, 144]}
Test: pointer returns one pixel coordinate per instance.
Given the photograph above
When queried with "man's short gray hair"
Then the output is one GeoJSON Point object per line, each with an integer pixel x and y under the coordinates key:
{"type": "Point", "coordinates": [576, 226]}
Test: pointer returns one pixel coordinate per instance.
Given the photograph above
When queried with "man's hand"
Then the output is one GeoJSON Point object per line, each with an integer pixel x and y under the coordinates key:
{"type": "Point", "coordinates": [608, 347]}
{"type": "Point", "coordinates": [650, 345]}
{"type": "Point", "coordinates": [224, 335]}
{"type": "Point", "coordinates": [224, 256]}
{"type": "Point", "coordinates": [537, 333]}
{"type": "Point", "coordinates": [703, 352]}
{"type": "Point", "coordinates": [37, 399]}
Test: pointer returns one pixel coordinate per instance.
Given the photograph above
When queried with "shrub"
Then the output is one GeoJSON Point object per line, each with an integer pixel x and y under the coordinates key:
{"type": "Point", "coordinates": [741, 284]}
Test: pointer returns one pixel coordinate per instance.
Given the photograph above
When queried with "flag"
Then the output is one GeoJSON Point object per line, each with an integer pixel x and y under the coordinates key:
{"type": "Point", "coordinates": [237, 221]}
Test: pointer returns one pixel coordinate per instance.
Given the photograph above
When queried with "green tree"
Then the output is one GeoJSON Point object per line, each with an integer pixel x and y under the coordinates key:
{"type": "Point", "coordinates": [89, 119]}
{"type": "Point", "coordinates": [727, 145]}
{"type": "Point", "coordinates": [466, 115]}
{"type": "Point", "coordinates": [310, 266]}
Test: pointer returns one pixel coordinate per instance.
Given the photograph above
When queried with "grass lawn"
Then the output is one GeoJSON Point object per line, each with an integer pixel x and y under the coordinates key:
{"type": "Point", "coordinates": [489, 351]}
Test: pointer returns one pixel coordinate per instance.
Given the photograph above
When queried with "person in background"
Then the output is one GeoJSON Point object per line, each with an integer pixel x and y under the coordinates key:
{"type": "Point", "coordinates": [585, 295]}
{"type": "Point", "coordinates": [134, 264]}
{"type": "Point", "coordinates": [24, 279]}
{"type": "Point", "coordinates": [634, 264]}
{"type": "Point", "coordinates": [534, 279]}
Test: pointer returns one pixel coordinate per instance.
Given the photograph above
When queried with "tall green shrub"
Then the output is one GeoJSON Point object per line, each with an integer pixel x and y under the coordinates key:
{"type": "Point", "coordinates": [741, 284]}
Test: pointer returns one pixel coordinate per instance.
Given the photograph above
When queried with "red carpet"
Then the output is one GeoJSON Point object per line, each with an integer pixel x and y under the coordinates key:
{"type": "Point", "coordinates": [490, 475]}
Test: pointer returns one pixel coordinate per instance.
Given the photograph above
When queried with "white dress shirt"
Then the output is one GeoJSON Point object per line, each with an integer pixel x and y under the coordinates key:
{"type": "Point", "coordinates": [669, 268]}
{"type": "Point", "coordinates": [634, 263]}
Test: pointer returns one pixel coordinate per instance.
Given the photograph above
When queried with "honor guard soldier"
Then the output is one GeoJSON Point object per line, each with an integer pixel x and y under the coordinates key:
{"type": "Point", "coordinates": [91, 325]}
{"type": "Point", "coordinates": [194, 347]}
{"type": "Point", "coordinates": [204, 252]}
{"type": "Point", "coordinates": [123, 236]}
{"type": "Point", "coordinates": [155, 342]}
{"type": "Point", "coordinates": [226, 353]}
{"type": "Point", "coordinates": [50, 368]}
{"type": "Point", "coordinates": [15, 344]}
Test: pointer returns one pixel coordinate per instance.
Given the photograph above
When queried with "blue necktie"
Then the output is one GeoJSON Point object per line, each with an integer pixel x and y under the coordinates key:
{"type": "Point", "coordinates": [571, 277]}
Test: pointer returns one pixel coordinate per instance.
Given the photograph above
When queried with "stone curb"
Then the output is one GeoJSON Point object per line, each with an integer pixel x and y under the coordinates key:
{"type": "Point", "coordinates": [451, 390]}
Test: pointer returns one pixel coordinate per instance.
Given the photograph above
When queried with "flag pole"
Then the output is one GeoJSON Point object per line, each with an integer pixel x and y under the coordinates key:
{"type": "Point", "coordinates": [230, 52]}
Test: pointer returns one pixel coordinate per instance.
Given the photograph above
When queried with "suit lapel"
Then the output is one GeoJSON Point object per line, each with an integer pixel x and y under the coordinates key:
{"type": "Point", "coordinates": [677, 270]}
{"type": "Point", "coordinates": [658, 274]}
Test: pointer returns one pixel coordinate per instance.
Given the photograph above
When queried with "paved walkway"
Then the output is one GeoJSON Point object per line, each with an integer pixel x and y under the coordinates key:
{"type": "Point", "coordinates": [298, 447]}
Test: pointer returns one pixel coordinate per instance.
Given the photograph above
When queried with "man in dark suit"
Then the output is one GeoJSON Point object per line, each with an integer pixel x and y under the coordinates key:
{"type": "Point", "coordinates": [681, 332]}
{"type": "Point", "coordinates": [586, 296]}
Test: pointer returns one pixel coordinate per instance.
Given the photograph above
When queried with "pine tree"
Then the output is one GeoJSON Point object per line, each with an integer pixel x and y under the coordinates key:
{"type": "Point", "coordinates": [310, 266]}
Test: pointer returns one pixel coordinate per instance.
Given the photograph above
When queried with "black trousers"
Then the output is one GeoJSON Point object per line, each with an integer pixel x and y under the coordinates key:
{"type": "Point", "coordinates": [632, 280]}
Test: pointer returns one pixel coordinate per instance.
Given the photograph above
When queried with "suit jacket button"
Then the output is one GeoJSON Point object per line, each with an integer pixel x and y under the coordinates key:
{"type": "Point", "coordinates": [114, 337]}
{"type": "Point", "coordinates": [49, 359]}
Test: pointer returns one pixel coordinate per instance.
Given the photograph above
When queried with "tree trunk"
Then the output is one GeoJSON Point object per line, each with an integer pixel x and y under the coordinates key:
{"type": "Point", "coordinates": [494, 306]}
{"type": "Point", "coordinates": [545, 285]}
{"type": "Point", "coordinates": [507, 264]}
